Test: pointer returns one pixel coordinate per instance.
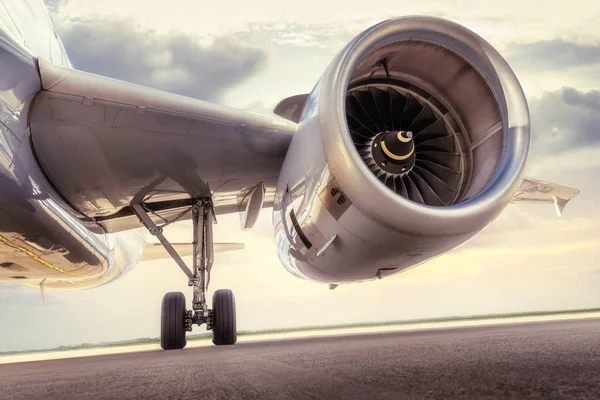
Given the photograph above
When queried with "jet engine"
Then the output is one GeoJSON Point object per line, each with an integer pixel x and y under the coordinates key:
{"type": "Point", "coordinates": [413, 140]}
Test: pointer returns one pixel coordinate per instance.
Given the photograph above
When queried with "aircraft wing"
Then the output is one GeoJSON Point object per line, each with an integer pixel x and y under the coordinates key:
{"type": "Point", "coordinates": [104, 142]}
{"type": "Point", "coordinates": [534, 191]}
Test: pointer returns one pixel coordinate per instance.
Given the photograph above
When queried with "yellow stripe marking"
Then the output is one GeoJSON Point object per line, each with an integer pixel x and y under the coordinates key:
{"type": "Point", "coordinates": [36, 258]}
{"type": "Point", "coordinates": [393, 156]}
{"type": "Point", "coordinates": [402, 138]}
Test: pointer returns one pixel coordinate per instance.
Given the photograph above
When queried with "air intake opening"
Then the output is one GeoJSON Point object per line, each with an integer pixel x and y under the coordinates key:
{"type": "Point", "coordinates": [408, 140]}
{"type": "Point", "coordinates": [425, 122]}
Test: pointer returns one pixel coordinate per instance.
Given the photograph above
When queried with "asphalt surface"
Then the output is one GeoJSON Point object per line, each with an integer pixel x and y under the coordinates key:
{"type": "Point", "coordinates": [555, 360]}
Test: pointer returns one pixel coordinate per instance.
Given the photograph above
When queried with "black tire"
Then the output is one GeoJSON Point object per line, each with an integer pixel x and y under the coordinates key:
{"type": "Point", "coordinates": [172, 321]}
{"type": "Point", "coordinates": [224, 329]}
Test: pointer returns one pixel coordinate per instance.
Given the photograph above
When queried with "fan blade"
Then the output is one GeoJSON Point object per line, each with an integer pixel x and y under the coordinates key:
{"type": "Point", "coordinates": [450, 160]}
{"type": "Point", "coordinates": [401, 186]}
{"type": "Point", "coordinates": [444, 191]}
{"type": "Point", "coordinates": [390, 182]}
{"type": "Point", "coordinates": [356, 127]}
{"type": "Point", "coordinates": [362, 149]}
{"type": "Point", "coordinates": [427, 193]}
{"type": "Point", "coordinates": [413, 190]}
{"type": "Point", "coordinates": [412, 108]}
{"type": "Point", "coordinates": [425, 118]}
{"type": "Point", "coordinates": [367, 103]}
{"type": "Point", "coordinates": [358, 118]}
{"type": "Point", "coordinates": [438, 126]}
{"type": "Point", "coordinates": [444, 143]}
{"type": "Point", "coordinates": [382, 176]}
{"type": "Point", "coordinates": [397, 103]}
{"type": "Point", "coordinates": [382, 102]}
{"type": "Point", "coordinates": [361, 135]}
{"type": "Point", "coordinates": [450, 176]}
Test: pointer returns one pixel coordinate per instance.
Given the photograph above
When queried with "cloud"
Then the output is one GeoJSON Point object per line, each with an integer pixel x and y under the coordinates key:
{"type": "Point", "coordinates": [549, 65]}
{"type": "Point", "coordinates": [260, 107]}
{"type": "Point", "coordinates": [181, 63]}
{"type": "Point", "coordinates": [564, 120]}
{"type": "Point", "coordinates": [54, 5]}
{"type": "Point", "coordinates": [590, 101]}
{"type": "Point", "coordinates": [553, 54]}
{"type": "Point", "coordinates": [561, 78]}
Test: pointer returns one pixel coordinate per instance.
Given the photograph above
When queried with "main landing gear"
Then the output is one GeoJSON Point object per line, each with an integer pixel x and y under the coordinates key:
{"type": "Point", "coordinates": [175, 319]}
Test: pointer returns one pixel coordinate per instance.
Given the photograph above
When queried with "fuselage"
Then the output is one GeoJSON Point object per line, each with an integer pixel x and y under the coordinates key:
{"type": "Point", "coordinates": [41, 236]}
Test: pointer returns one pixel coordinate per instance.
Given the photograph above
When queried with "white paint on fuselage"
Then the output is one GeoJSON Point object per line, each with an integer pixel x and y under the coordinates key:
{"type": "Point", "coordinates": [28, 24]}
{"type": "Point", "coordinates": [29, 206]}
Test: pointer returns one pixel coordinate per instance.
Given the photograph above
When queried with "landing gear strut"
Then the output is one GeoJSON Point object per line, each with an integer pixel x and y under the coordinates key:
{"type": "Point", "coordinates": [175, 319]}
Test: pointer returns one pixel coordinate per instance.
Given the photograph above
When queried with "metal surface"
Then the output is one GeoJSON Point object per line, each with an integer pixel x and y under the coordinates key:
{"type": "Point", "coordinates": [41, 237]}
{"type": "Point", "coordinates": [380, 233]}
{"type": "Point", "coordinates": [291, 108]}
{"type": "Point", "coordinates": [202, 255]}
{"type": "Point", "coordinates": [434, 169]}
{"type": "Point", "coordinates": [455, 64]}
{"type": "Point", "coordinates": [81, 154]}
{"type": "Point", "coordinates": [127, 137]}
{"type": "Point", "coordinates": [326, 246]}
{"type": "Point", "coordinates": [253, 204]}
{"type": "Point", "coordinates": [155, 230]}
{"type": "Point", "coordinates": [532, 191]}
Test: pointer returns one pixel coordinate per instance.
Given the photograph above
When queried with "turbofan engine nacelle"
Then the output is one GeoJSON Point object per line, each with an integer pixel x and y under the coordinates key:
{"type": "Point", "coordinates": [414, 139]}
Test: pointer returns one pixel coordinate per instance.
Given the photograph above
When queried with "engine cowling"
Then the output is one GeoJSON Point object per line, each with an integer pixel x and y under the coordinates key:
{"type": "Point", "coordinates": [413, 140]}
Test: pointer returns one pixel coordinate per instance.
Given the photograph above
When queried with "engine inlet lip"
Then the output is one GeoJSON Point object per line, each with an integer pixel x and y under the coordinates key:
{"type": "Point", "coordinates": [465, 217]}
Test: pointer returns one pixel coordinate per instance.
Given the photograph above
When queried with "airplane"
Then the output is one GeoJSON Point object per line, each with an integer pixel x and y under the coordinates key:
{"type": "Point", "coordinates": [413, 140]}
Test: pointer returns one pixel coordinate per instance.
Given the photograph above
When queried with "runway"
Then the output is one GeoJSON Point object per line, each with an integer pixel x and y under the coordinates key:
{"type": "Point", "coordinates": [550, 360]}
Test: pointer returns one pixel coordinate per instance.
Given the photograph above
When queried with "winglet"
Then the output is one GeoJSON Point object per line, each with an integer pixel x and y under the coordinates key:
{"type": "Point", "coordinates": [532, 191]}
{"type": "Point", "coordinates": [559, 205]}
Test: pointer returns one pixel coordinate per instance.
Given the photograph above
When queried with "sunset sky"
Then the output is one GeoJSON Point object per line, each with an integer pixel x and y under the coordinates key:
{"type": "Point", "coordinates": [251, 55]}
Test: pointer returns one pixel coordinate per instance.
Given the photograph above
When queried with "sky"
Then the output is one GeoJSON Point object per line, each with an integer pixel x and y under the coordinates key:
{"type": "Point", "coordinates": [252, 54]}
